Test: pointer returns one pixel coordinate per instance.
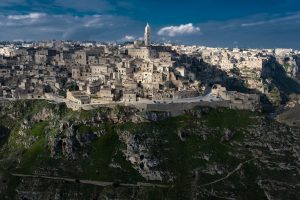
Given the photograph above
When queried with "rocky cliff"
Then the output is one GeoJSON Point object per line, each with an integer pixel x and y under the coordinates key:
{"type": "Point", "coordinates": [50, 152]}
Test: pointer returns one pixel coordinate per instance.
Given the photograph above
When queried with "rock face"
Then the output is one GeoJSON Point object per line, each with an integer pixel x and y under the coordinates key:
{"type": "Point", "coordinates": [290, 116]}
{"type": "Point", "coordinates": [138, 154]}
{"type": "Point", "coordinates": [228, 135]}
{"type": "Point", "coordinates": [87, 138]}
{"type": "Point", "coordinates": [55, 145]}
{"type": "Point", "coordinates": [42, 115]}
{"type": "Point", "coordinates": [4, 132]}
{"type": "Point", "coordinates": [156, 116]}
{"type": "Point", "coordinates": [68, 142]}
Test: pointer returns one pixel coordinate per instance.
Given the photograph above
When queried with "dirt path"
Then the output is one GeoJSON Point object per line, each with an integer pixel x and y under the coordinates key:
{"type": "Point", "coordinates": [91, 182]}
{"type": "Point", "coordinates": [229, 174]}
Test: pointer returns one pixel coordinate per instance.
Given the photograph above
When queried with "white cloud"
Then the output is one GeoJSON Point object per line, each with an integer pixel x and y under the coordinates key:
{"type": "Point", "coordinates": [183, 29]}
{"type": "Point", "coordinates": [32, 16]}
{"type": "Point", "coordinates": [129, 37]}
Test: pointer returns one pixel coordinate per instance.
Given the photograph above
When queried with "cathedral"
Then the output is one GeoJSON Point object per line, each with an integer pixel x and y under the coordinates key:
{"type": "Point", "coordinates": [142, 49]}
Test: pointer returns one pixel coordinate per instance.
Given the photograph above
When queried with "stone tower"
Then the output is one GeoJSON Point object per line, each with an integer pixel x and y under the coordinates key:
{"type": "Point", "coordinates": [147, 36]}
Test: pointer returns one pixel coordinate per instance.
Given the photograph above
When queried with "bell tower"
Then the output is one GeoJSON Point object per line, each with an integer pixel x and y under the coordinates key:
{"type": "Point", "coordinates": [147, 36]}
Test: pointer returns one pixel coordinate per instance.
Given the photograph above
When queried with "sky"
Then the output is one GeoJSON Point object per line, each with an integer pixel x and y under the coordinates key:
{"type": "Point", "coordinates": [215, 23]}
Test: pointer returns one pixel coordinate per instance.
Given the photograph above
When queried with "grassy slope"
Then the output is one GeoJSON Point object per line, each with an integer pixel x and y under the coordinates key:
{"type": "Point", "coordinates": [182, 157]}
{"type": "Point", "coordinates": [178, 157]}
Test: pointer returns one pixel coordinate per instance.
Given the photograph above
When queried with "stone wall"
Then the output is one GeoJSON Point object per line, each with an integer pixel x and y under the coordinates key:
{"type": "Point", "coordinates": [174, 108]}
{"type": "Point", "coordinates": [179, 108]}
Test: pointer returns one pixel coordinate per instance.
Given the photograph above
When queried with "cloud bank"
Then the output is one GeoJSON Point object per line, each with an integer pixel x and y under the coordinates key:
{"type": "Point", "coordinates": [173, 31]}
{"type": "Point", "coordinates": [27, 16]}
{"type": "Point", "coordinates": [129, 38]}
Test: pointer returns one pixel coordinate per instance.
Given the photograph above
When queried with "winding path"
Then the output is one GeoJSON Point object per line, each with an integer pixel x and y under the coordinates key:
{"type": "Point", "coordinates": [229, 174]}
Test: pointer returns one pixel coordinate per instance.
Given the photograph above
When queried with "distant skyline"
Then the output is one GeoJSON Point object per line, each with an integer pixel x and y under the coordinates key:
{"type": "Point", "coordinates": [215, 23]}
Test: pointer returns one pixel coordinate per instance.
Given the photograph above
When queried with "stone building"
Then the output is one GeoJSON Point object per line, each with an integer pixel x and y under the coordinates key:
{"type": "Point", "coordinates": [105, 94]}
{"type": "Point", "coordinates": [141, 52]}
{"type": "Point", "coordinates": [129, 96]}
{"type": "Point", "coordinates": [78, 97]}
{"type": "Point", "coordinates": [79, 57]}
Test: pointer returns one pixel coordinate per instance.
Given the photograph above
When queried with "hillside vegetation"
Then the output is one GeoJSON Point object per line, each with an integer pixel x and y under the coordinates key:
{"type": "Point", "coordinates": [204, 154]}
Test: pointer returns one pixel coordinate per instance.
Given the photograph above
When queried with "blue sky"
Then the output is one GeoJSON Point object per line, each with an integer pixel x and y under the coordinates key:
{"type": "Point", "coordinates": [223, 23]}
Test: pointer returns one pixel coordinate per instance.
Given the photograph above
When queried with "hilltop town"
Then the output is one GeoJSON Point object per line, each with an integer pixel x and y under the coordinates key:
{"type": "Point", "coordinates": [89, 74]}
{"type": "Point", "coordinates": [89, 120]}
